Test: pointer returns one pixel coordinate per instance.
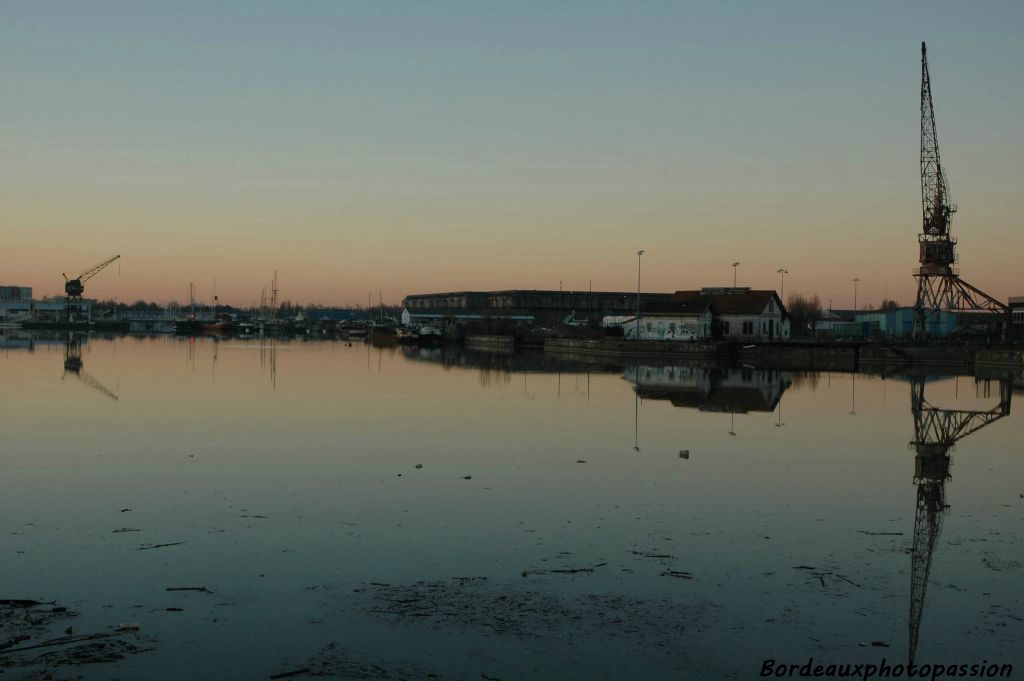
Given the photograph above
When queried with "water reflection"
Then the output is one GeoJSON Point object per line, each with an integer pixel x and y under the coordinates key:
{"type": "Point", "coordinates": [332, 450]}
{"type": "Point", "coordinates": [73, 365]}
{"type": "Point", "coordinates": [736, 391]}
{"type": "Point", "coordinates": [936, 432]}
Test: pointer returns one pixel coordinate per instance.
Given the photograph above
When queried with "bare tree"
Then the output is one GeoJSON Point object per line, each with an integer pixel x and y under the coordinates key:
{"type": "Point", "coordinates": [804, 314]}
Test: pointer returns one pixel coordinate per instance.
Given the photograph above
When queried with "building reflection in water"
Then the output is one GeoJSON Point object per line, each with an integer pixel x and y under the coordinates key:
{"type": "Point", "coordinates": [738, 390]}
{"type": "Point", "coordinates": [936, 432]}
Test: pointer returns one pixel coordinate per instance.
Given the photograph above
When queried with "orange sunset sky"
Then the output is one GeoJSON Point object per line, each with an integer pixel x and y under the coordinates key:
{"type": "Point", "coordinates": [357, 147]}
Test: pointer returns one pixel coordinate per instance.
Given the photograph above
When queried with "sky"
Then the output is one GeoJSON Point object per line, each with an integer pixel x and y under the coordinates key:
{"type": "Point", "coordinates": [411, 147]}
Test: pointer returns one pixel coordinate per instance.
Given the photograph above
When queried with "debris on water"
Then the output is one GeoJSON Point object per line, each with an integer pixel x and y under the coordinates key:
{"type": "Point", "coordinates": [160, 546]}
{"type": "Point", "coordinates": [286, 675]}
{"type": "Point", "coordinates": [29, 641]}
{"type": "Point", "coordinates": [684, 453]}
{"type": "Point", "coordinates": [339, 663]}
{"type": "Point", "coordinates": [651, 554]}
{"type": "Point", "coordinates": [262, 517]}
{"type": "Point", "coordinates": [467, 477]}
{"type": "Point", "coordinates": [881, 534]}
{"type": "Point", "coordinates": [126, 510]}
{"type": "Point", "coordinates": [879, 644]}
{"type": "Point", "coordinates": [175, 609]}
{"type": "Point", "coordinates": [21, 602]}
{"type": "Point", "coordinates": [581, 460]}
{"type": "Point", "coordinates": [677, 573]}
{"type": "Point", "coordinates": [188, 588]}
{"type": "Point", "coordinates": [499, 608]}
{"type": "Point", "coordinates": [559, 571]}
{"type": "Point", "coordinates": [127, 529]}
{"type": "Point", "coordinates": [845, 579]}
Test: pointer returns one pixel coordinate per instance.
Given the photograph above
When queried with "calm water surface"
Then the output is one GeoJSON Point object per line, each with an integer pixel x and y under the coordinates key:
{"type": "Point", "coordinates": [397, 513]}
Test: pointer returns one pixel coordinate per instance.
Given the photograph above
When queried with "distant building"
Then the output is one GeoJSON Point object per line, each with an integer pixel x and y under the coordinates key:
{"type": "Point", "coordinates": [15, 294]}
{"type": "Point", "coordinates": [669, 320]}
{"type": "Point", "coordinates": [540, 308]}
{"type": "Point", "coordinates": [742, 313]}
{"type": "Point", "coordinates": [15, 303]}
{"type": "Point", "coordinates": [734, 313]}
{"type": "Point", "coordinates": [1017, 315]}
{"type": "Point", "coordinates": [899, 323]}
{"type": "Point", "coordinates": [831, 319]}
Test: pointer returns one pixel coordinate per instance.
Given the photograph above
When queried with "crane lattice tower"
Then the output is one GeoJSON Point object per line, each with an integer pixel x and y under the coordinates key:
{"type": "Point", "coordinates": [939, 286]}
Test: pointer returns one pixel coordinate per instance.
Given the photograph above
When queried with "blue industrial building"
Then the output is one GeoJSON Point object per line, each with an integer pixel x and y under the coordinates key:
{"type": "Point", "coordinates": [899, 323]}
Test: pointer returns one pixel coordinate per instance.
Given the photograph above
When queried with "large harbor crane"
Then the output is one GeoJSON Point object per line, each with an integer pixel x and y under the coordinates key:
{"type": "Point", "coordinates": [74, 288]}
{"type": "Point", "coordinates": [939, 286]}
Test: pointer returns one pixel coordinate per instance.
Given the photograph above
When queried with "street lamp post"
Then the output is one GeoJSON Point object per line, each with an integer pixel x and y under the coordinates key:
{"type": "Point", "coordinates": [782, 286]}
{"type": "Point", "coordinates": [735, 266]}
{"type": "Point", "coordinates": [855, 280]}
{"type": "Point", "coordinates": [638, 254]}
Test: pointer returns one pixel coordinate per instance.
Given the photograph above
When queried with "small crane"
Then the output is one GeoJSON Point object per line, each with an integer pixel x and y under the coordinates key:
{"type": "Point", "coordinates": [74, 288]}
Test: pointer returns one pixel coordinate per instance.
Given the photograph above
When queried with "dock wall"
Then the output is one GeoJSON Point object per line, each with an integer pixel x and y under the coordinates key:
{"type": "Point", "coordinates": [820, 356]}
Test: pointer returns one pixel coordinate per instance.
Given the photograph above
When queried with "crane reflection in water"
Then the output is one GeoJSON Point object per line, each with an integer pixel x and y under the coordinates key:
{"type": "Point", "coordinates": [73, 365]}
{"type": "Point", "coordinates": [936, 432]}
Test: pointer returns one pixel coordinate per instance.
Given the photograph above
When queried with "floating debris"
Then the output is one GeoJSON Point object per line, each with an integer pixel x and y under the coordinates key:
{"type": "Point", "coordinates": [26, 632]}
{"type": "Point", "coordinates": [495, 608]}
{"type": "Point", "coordinates": [160, 546]}
{"type": "Point", "coordinates": [337, 663]}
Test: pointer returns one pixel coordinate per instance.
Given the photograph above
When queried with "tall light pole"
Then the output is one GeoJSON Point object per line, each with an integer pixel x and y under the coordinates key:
{"type": "Point", "coordinates": [855, 280]}
{"type": "Point", "coordinates": [782, 286]}
{"type": "Point", "coordinates": [735, 266]}
{"type": "Point", "coordinates": [638, 254]}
